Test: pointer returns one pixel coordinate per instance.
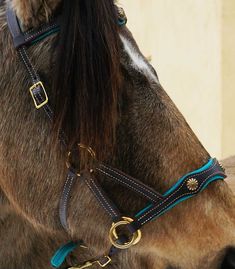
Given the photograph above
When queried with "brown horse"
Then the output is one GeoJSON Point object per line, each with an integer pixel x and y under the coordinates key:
{"type": "Point", "coordinates": [106, 95]}
{"type": "Point", "coordinates": [229, 165]}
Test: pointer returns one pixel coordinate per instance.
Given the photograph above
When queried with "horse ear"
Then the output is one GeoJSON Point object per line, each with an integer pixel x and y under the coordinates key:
{"type": "Point", "coordinates": [33, 12]}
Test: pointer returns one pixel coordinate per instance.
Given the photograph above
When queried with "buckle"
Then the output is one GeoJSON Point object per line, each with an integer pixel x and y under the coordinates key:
{"type": "Point", "coordinates": [39, 85]}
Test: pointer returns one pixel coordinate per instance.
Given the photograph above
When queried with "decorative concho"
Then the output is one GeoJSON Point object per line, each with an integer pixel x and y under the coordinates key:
{"type": "Point", "coordinates": [192, 184]}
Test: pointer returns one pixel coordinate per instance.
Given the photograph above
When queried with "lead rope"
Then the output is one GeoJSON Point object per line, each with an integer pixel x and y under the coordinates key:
{"type": "Point", "coordinates": [186, 187]}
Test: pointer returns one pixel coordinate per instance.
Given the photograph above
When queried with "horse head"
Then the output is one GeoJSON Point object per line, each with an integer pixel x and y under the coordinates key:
{"type": "Point", "coordinates": [105, 95]}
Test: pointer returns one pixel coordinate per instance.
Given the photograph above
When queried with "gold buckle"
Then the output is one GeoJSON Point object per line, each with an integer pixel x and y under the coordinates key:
{"type": "Point", "coordinates": [39, 83]}
{"type": "Point", "coordinates": [88, 149]}
{"type": "Point", "coordinates": [113, 237]}
{"type": "Point", "coordinates": [90, 263]}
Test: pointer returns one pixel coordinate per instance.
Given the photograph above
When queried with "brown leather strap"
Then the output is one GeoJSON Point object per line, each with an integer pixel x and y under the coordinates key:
{"type": "Point", "coordinates": [25, 38]}
{"type": "Point", "coordinates": [130, 182]}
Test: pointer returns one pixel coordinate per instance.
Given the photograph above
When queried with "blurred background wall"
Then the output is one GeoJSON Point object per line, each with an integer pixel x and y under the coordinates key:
{"type": "Point", "coordinates": [192, 46]}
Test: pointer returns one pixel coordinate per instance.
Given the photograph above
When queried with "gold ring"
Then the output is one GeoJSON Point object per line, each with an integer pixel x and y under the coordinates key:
{"type": "Point", "coordinates": [113, 237]}
{"type": "Point", "coordinates": [81, 146]}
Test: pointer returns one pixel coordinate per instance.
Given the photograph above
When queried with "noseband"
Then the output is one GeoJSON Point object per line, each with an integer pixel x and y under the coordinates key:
{"type": "Point", "coordinates": [186, 187]}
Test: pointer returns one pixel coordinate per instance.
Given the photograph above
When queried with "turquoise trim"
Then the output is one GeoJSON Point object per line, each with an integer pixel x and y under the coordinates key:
{"type": "Point", "coordinates": [190, 196]}
{"type": "Point", "coordinates": [203, 168]}
{"type": "Point", "coordinates": [211, 180]}
{"type": "Point", "coordinates": [143, 210]}
{"type": "Point", "coordinates": [177, 184]}
{"type": "Point", "coordinates": [61, 254]}
{"type": "Point", "coordinates": [56, 30]}
{"type": "Point", "coordinates": [180, 200]}
{"type": "Point", "coordinates": [173, 205]}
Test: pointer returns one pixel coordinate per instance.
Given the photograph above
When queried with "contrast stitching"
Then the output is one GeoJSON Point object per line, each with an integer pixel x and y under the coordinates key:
{"type": "Point", "coordinates": [27, 65]}
{"type": "Point", "coordinates": [101, 194]}
{"type": "Point", "coordinates": [182, 184]}
{"type": "Point", "coordinates": [131, 187]}
{"type": "Point", "coordinates": [64, 199]}
{"type": "Point", "coordinates": [184, 194]}
{"type": "Point", "coordinates": [26, 55]}
{"type": "Point", "coordinates": [132, 181]}
{"type": "Point", "coordinates": [97, 197]}
{"type": "Point", "coordinates": [39, 32]}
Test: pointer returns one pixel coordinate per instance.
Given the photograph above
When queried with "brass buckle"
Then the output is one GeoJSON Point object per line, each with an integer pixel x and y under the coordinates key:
{"type": "Point", "coordinates": [113, 237]}
{"type": "Point", "coordinates": [39, 83]}
{"type": "Point", "coordinates": [88, 149]}
{"type": "Point", "coordinates": [91, 263]}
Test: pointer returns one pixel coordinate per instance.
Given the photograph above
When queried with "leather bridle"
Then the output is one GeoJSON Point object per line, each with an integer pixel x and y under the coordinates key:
{"type": "Point", "coordinates": [188, 186]}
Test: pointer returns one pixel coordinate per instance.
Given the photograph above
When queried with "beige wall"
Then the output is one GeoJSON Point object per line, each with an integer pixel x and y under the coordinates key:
{"type": "Point", "coordinates": [228, 77]}
{"type": "Point", "coordinates": [184, 39]}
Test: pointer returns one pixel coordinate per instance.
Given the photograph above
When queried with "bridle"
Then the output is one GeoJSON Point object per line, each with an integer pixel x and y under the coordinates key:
{"type": "Point", "coordinates": [186, 187]}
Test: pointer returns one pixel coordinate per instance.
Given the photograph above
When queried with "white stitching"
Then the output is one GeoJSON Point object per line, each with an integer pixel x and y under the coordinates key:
{"type": "Point", "coordinates": [26, 55]}
{"type": "Point", "coordinates": [105, 200]}
{"type": "Point", "coordinates": [27, 66]}
{"type": "Point", "coordinates": [174, 192]}
{"type": "Point", "coordinates": [197, 191]}
{"type": "Point", "coordinates": [97, 197]}
{"type": "Point", "coordinates": [131, 187]}
{"type": "Point", "coordinates": [65, 194]}
{"type": "Point", "coordinates": [132, 181]}
{"type": "Point", "coordinates": [40, 31]}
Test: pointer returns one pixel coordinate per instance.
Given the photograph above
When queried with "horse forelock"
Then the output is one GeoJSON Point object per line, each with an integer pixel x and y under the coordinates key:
{"type": "Point", "coordinates": [33, 12]}
{"type": "Point", "coordinates": [87, 74]}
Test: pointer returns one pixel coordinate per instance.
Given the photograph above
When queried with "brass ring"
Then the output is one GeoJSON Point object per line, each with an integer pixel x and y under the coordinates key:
{"type": "Point", "coordinates": [88, 149]}
{"type": "Point", "coordinates": [81, 146]}
{"type": "Point", "coordinates": [113, 237]}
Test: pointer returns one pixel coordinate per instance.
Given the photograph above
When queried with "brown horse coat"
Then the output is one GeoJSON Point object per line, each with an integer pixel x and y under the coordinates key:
{"type": "Point", "coordinates": [154, 144]}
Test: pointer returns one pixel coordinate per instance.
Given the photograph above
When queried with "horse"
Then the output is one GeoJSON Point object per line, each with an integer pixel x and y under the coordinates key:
{"type": "Point", "coordinates": [106, 95]}
{"type": "Point", "coordinates": [229, 164]}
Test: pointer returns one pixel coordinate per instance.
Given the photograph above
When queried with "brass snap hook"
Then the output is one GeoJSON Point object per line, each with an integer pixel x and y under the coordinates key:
{"type": "Point", "coordinates": [113, 237]}
{"type": "Point", "coordinates": [81, 147]}
{"type": "Point", "coordinates": [107, 260]}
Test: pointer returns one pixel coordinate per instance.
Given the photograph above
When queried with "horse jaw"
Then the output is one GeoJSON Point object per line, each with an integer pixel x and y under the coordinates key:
{"type": "Point", "coordinates": [33, 12]}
